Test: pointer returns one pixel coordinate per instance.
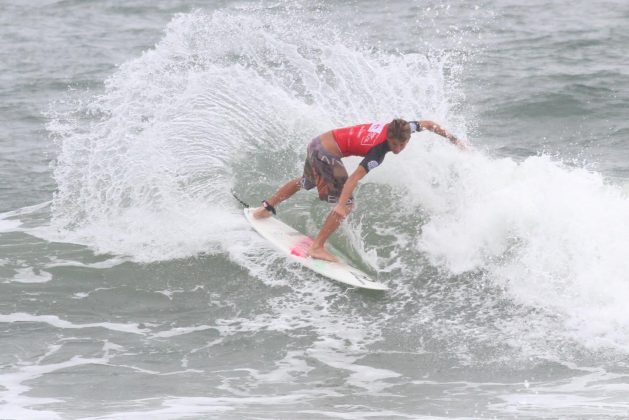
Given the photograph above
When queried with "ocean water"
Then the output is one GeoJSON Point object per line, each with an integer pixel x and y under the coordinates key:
{"type": "Point", "coordinates": [133, 288]}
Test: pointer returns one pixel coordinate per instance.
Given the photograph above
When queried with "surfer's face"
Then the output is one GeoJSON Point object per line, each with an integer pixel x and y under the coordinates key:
{"type": "Point", "coordinates": [396, 146]}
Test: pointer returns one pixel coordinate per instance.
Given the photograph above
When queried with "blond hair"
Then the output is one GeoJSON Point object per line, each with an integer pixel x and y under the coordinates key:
{"type": "Point", "coordinates": [399, 129]}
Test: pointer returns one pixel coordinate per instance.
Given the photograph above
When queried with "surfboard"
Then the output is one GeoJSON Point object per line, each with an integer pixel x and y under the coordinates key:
{"type": "Point", "coordinates": [295, 245]}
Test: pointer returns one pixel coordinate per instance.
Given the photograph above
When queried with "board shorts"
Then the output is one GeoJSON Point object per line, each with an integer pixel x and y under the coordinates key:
{"type": "Point", "coordinates": [325, 171]}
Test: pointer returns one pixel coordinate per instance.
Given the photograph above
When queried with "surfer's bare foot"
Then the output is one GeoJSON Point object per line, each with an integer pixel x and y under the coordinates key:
{"type": "Point", "coordinates": [261, 213]}
{"type": "Point", "coordinates": [321, 254]}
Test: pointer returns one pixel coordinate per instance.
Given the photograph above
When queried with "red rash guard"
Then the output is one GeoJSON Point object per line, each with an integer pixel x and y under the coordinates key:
{"type": "Point", "coordinates": [358, 140]}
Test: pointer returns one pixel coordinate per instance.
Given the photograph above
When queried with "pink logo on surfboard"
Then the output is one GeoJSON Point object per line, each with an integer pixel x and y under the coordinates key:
{"type": "Point", "coordinates": [301, 248]}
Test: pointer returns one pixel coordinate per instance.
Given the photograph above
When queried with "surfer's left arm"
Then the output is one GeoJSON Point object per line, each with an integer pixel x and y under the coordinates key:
{"type": "Point", "coordinates": [341, 208]}
{"type": "Point", "coordinates": [437, 129]}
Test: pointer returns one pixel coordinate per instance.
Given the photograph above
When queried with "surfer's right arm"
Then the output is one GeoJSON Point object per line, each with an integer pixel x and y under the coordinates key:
{"type": "Point", "coordinates": [437, 129]}
{"type": "Point", "coordinates": [342, 209]}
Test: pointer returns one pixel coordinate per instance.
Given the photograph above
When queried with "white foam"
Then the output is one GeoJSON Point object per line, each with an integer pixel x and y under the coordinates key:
{"type": "Point", "coordinates": [333, 353]}
{"type": "Point", "coordinates": [174, 332]}
{"type": "Point", "coordinates": [28, 275]}
{"type": "Point", "coordinates": [9, 221]}
{"type": "Point", "coordinates": [12, 389]}
{"type": "Point", "coordinates": [25, 210]}
{"type": "Point", "coordinates": [585, 396]}
{"type": "Point", "coordinates": [291, 366]}
{"type": "Point", "coordinates": [57, 322]}
{"type": "Point", "coordinates": [109, 263]}
{"type": "Point", "coordinates": [17, 405]}
{"type": "Point", "coordinates": [182, 407]}
{"type": "Point", "coordinates": [556, 237]}
{"type": "Point", "coordinates": [9, 225]}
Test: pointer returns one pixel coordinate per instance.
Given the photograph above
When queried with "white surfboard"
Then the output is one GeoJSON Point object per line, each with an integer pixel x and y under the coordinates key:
{"type": "Point", "coordinates": [295, 244]}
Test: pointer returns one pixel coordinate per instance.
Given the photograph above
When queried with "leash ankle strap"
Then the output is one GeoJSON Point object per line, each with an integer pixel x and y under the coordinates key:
{"type": "Point", "coordinates": [268, 207]}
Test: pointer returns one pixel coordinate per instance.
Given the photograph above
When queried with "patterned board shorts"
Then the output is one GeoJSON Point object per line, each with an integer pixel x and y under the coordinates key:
{"type": "Point", "coordinates": [324, 171]}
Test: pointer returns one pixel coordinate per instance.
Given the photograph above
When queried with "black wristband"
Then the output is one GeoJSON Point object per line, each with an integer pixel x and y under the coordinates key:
{"type": "Point", "coordinates": [268, 207]}
{"type": "Point", "coordinates": [415, 127]}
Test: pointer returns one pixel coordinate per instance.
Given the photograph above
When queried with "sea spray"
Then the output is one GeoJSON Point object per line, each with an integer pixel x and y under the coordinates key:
{"type": "Point", "coordinates": [223, 100]}
{"type": "Point", "coordinates": [554, 236]}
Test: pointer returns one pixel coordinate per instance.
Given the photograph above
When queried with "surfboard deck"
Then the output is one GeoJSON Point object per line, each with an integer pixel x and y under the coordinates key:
{"type": "Point", "coordinates": [295, 244]}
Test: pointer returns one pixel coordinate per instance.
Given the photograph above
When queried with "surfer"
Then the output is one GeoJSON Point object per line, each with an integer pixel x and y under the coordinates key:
{"type": "Point", "coordinates": [323, 168]}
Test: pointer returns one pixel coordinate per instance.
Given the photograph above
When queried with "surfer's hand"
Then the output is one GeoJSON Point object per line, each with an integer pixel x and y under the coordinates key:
{"type": "Point", "coordinates": [461, 144]}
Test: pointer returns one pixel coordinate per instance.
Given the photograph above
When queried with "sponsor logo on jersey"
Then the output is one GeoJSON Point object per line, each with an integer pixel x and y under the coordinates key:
{"type": "Point", "coordinates": [372, 164]}
{"type": "Point", "coordinates": [376, 128]}
{"type": "Point", "coordinates": [373, 132]}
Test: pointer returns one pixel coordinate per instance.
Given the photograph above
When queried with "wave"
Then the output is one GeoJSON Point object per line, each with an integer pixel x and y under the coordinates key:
{"type": "Point", "coordinates": [231, 99]}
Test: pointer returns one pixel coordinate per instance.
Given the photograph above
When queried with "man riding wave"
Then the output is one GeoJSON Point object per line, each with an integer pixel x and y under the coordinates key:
{"type": "Point", "coordinates": [325, 170]}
